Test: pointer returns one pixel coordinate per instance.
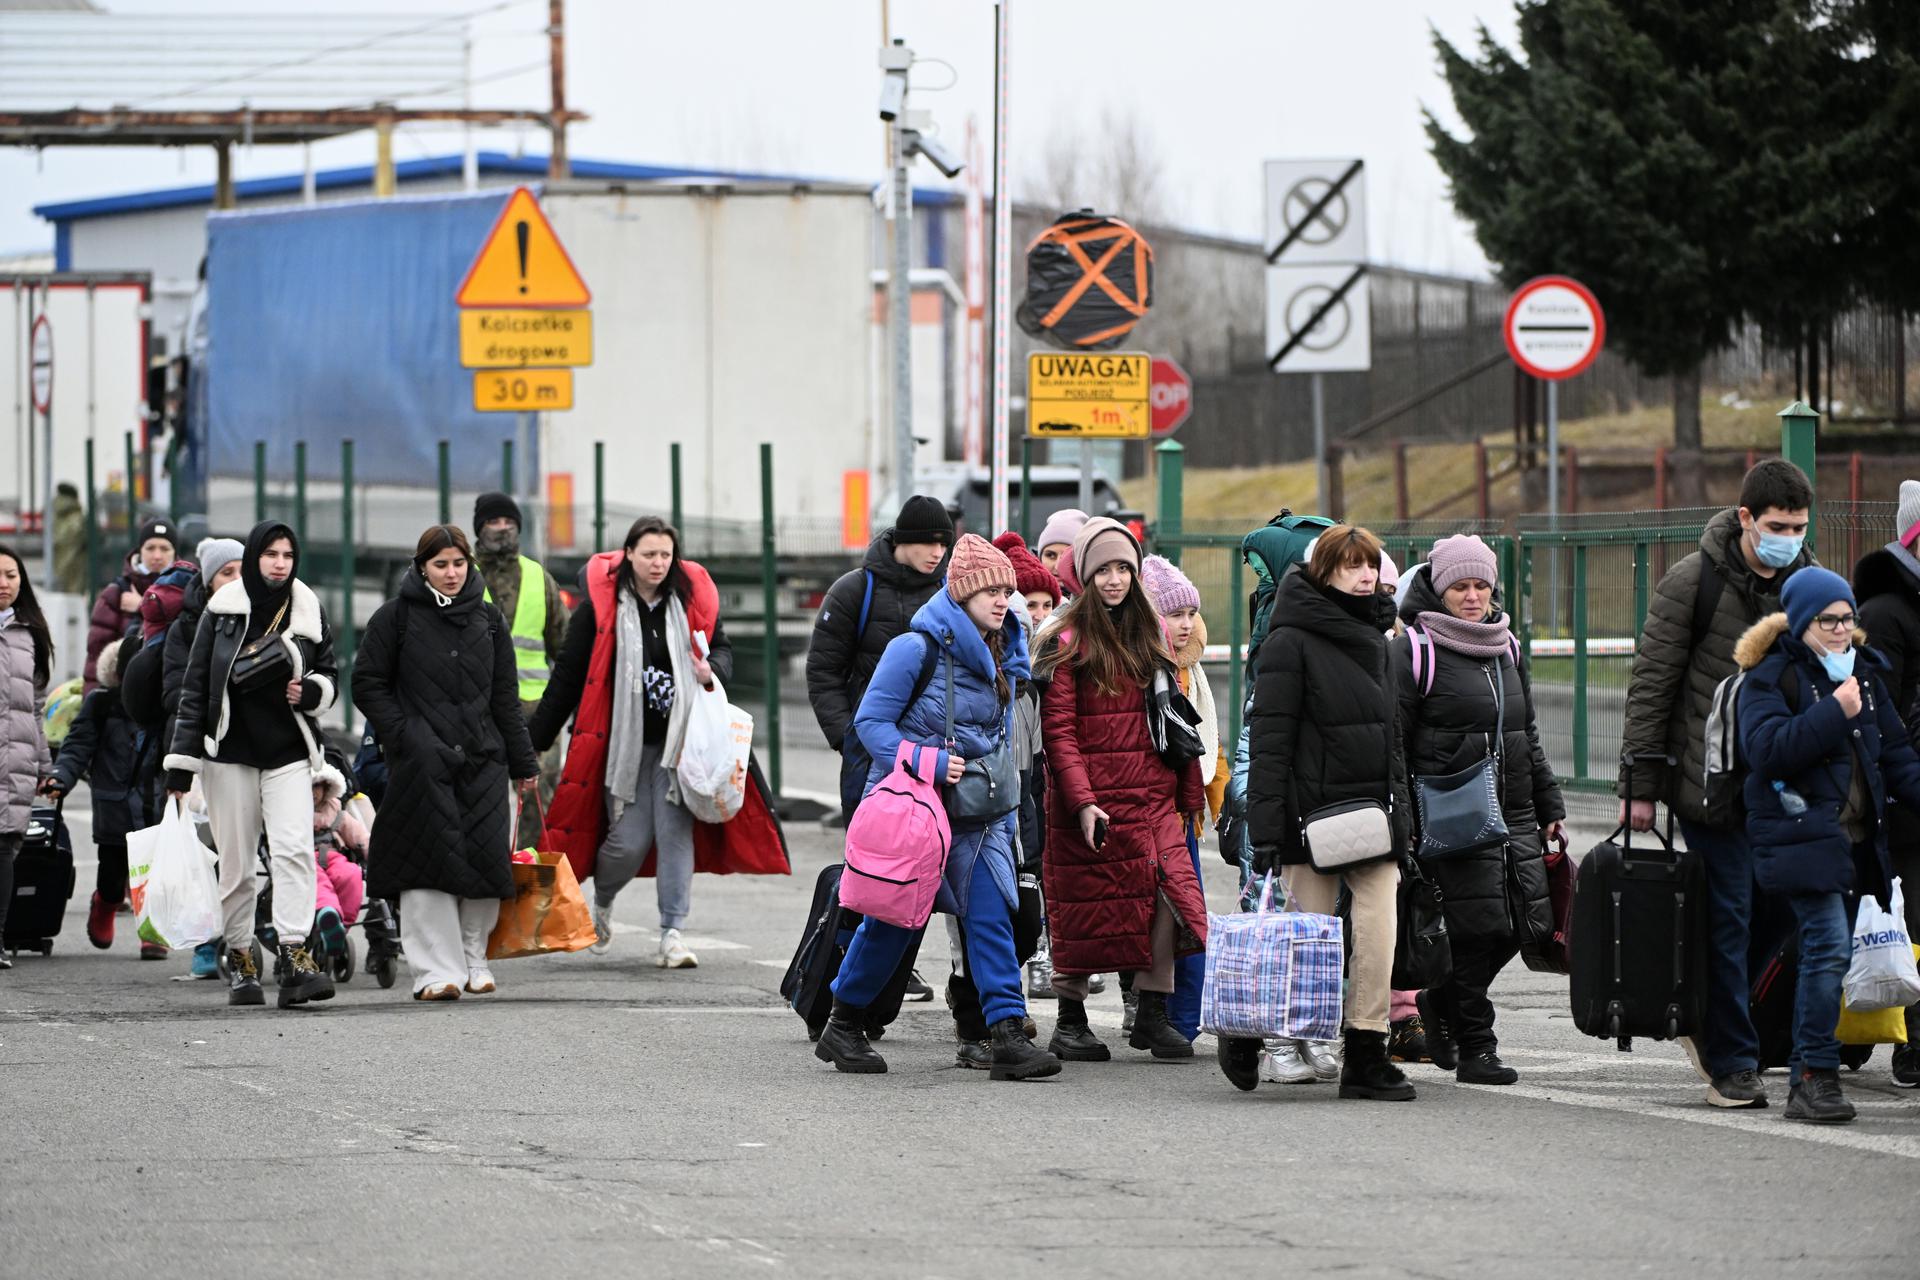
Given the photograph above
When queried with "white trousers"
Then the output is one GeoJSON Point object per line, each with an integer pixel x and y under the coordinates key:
{"type": "Point", "coordinates": [445, 937]}
{"type": "Point", "coordinates": [242, 802]}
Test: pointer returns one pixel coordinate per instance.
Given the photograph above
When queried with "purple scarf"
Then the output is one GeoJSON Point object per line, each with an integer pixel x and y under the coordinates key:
{"type": "Point", "coordinates": [1472, 639]}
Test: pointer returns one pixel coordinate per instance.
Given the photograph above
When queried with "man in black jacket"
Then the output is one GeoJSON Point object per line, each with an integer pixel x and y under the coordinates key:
{"type": "Point", "coordinates": [861, 615]}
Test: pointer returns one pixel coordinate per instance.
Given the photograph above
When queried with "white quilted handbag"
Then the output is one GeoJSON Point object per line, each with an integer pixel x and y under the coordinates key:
{"type": "Point", "coordinates": [1346, 835]}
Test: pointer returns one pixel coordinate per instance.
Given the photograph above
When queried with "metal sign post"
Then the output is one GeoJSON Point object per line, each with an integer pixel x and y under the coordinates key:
{"type": "Point", "coordinates": [41, 346]}
{"type": "Point", "coordinates": [1002, 267]}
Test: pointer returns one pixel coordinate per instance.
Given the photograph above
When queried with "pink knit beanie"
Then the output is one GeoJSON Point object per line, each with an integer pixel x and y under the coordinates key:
{"type": "Point", "coordinates": [975, 565]}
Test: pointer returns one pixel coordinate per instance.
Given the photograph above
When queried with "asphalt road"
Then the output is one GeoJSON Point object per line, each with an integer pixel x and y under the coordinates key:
{"type": "Point", "coordinates": [602, 1116]}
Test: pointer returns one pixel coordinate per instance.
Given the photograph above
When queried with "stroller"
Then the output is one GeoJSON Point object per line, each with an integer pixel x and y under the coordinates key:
{"type": "Point", "coordinates": [378, 921]}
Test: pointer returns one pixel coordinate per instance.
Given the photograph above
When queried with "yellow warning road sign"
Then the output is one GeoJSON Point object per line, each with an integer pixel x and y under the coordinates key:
{"type": "Point", "coordinates": [522, 263]}
{"type": "Point", "coordinates": [520, 339]}
{"type": "Point", "coordinates": [522, 390]}
{"type": "Point", "coordinates": [1107, 395]}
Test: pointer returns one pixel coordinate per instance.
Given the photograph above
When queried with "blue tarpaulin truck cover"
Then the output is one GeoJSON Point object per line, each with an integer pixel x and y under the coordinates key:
{"type": "Point", "coordinates": [338, 321]}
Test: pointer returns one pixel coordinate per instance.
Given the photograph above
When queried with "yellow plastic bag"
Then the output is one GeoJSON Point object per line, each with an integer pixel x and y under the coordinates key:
{"type": "Point", "coordinates": [1883, 1026]}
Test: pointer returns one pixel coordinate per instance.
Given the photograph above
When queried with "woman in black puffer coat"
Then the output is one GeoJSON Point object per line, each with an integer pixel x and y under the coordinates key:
{"type": "Point", "coordinates": [435, 677]}
{"type": "Point", "coordinates": [1457, 648]}
{"type": "Point", "coordinates": [1322, 733]}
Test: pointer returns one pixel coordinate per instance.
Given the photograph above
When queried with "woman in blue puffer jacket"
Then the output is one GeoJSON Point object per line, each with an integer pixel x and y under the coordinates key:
{"type": "Point", "coordinates": [961, 636]}
{"type": "Point", "coordinates": [1824, 744]}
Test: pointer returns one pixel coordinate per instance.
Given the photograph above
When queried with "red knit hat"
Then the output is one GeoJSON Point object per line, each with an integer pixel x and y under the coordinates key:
{"type": "Point", "coordinates": [1030, 577]}
{"type": "Point", "coordinates": [975, 565]}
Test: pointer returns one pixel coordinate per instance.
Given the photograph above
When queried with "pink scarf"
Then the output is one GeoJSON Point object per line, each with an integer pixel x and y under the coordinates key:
{"type": "Point", "coordinates": [1471, 639]}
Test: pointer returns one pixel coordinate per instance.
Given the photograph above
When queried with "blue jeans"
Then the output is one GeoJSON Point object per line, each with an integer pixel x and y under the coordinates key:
{"type": "Point", "coordinates": [1826, 948]}
{"type": "Point", "coordinates": [854, 764]}
{"type": "Point", "coordinates": [986, 931]}
{"type": "Point", "coordinates": [1189, 972]}
{"type": "Point", "coordinates": [1729, 1042]}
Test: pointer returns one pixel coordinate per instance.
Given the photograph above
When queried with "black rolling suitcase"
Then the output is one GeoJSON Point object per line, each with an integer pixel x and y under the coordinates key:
{"type": "Point", "coordinates": [42, 883]}
{"type": "Point", "coordinates": [808, 983]}
{"type": "Point", "coordinates": [1639, 959]}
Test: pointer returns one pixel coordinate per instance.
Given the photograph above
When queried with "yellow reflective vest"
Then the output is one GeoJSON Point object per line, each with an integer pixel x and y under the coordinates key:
{"type": "Point", "coordinates": [529, 630]}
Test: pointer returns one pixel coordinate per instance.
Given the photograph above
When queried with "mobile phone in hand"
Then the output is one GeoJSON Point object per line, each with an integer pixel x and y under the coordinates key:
{"type": "Point", "coordinates": [1099, 833]}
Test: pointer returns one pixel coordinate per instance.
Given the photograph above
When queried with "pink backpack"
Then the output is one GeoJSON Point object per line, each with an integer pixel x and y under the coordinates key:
{"type": "Point", "coordinates": [897, 844]}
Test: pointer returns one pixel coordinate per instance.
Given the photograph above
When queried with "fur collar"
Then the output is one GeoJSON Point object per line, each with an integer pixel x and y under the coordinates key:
{"type": "Point", "coordinates": [303, 615]}
{"type": "Point", "coordinates": [329, 777]}
{"type": "Point", "coordinates": [1761, 637]}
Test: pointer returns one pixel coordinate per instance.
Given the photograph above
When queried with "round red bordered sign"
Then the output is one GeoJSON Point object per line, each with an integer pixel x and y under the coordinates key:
{"type": "Point", "coordinates": [40, 346]}
{"type": "Point", "coordinates": [1554, 327]}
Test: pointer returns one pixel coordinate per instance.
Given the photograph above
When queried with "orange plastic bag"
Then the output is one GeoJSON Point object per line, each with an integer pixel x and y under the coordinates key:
{"type": "Point", "coordinates": [547, 911]}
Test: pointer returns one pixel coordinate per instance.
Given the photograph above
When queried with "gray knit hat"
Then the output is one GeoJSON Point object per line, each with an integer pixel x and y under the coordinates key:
{"type": "Point", "coordinates": [1459, 557]}
{"type": "Point", "coordinates": [1906, 522]}
{"type": "Point", "coordinates": [214, 554]}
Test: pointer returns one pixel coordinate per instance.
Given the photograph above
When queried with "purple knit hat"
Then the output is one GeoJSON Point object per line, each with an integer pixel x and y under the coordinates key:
{"type": "Point", "coordinates": [1166, 586]}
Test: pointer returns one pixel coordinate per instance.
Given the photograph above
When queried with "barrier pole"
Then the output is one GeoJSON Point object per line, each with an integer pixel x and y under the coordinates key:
{"type": "Point", "coordinates": [93, 524]}
{"type": "Point", "coordinates": [1799, 430]}
{"type": "Point", "coordinates": [1172, 513]}
{"type": "Point", "coordinates": [769, 604]}
{"type": "Point", "coordinates": [506, 467]}
{"type": "Point", "coordinates": [300, 491]}
{"type": "Point", "coordinates": [1026, 488]}
{"type": "Point", "coordinates": [600, 495]}
{"type": "Point", "coordinates": [133, 510]}
{"type": "Point", "coordinates": [673, 472]}
{"type": "Point", "coordinates": [444, 450]}
{"type": "Point", "coordinates": [1580, 661]}
{"type": "Point", "coordinates": [259, 481]}
{"type": "Point", "coordinates": [344, 651]}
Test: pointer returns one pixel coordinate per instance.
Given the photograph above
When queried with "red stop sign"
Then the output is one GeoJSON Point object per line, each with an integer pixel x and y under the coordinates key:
{"type": "Point", "coordinates": [1171, 395]}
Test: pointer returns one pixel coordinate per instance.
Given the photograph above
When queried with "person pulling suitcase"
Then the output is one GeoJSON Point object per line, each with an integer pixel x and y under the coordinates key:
{"type": "Point", "coordinates": [26, 660]}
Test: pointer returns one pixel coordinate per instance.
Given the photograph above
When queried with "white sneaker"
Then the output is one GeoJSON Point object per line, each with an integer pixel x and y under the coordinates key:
{"type": "Point", "coordinates": [1322, 1057]}
{"type": "Point", "coordinates": [1281, 1063]}
{"type": "Point", "coordinates": [602, 928]}
{"type": "Point", "coordinates": [674, 953]}
{"type": "Point", "coordinates": [480, 981]}
{"type": "Point", "coordinates": [1691, 1048]}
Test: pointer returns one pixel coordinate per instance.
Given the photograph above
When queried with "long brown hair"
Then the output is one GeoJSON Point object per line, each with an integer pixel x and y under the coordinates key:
{"type": "Point", "coordinates": [26, 607]}
{"type": "Point", "coordinates": [997, 646]}
{"type": "Point", "coordinates": [1116, 649]}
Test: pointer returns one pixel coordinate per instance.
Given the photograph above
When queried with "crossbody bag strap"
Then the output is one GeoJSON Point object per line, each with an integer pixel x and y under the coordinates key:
{"type": "Point", "coordinates": [949, 732]}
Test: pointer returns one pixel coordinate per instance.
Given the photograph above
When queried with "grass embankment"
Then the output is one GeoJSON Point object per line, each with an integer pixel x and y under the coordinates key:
{"type": "Point", "coordinates": [1442, 476]}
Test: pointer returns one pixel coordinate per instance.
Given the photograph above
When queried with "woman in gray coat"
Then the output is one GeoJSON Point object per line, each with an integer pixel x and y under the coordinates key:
{"type": "Point", "coordinates": [26, 658]}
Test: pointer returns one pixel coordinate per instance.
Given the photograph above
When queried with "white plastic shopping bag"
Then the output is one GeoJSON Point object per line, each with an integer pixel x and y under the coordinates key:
{"type": "Point", "coordinates": [714, 756]}
{"type": "Point", "coordinates": [178, 902]}
{"type": "Point", "coordinates": [1883, 974]}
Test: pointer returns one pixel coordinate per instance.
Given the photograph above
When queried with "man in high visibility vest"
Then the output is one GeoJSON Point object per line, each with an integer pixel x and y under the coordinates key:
{"type": "Point", "coordinates": [537, 619]}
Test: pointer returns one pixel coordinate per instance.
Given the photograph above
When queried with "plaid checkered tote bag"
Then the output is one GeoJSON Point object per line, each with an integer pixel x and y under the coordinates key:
{"type": "Point", "coordinates": [1273, 973]}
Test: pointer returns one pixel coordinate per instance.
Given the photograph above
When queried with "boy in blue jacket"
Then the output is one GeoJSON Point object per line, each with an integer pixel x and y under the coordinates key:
{"type": "Point", "coordinates": [1824, 744]}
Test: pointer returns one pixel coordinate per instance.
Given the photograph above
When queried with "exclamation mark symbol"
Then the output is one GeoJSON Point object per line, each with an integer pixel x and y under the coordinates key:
{"type": "Point", "coordinates": [520, 234]}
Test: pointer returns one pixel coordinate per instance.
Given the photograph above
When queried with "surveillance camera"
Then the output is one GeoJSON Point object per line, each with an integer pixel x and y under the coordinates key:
{"type": "Point", "coordinates": [893, 96]}
{"type": "Point", "coordinates": [943, 160]}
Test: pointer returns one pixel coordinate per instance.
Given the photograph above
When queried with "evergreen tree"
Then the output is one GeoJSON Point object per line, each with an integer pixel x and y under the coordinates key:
{"type": "Point", "coordinates": [1685, 161]}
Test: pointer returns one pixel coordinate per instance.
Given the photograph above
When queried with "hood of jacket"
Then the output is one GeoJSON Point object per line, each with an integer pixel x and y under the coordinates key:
{"type": "Point", "coordinates": [262, 536]}
{"type": "Point", "coordinates": [1300, 603]}
{"type": "Point", "coordinates": [1770, 633]}
{"type": "Point", "coordinates": [333, 785]}
{"type": "Point", "coordinates": [193, 598]}
{"type": "Point", "coordinates": [1892, 570]}
{"type": "Point", "coordinates": [946, 623]}
{"type": "Point", "coordinates": [885, 568]}
{"type": "Point", "coordinates": [414, 589]}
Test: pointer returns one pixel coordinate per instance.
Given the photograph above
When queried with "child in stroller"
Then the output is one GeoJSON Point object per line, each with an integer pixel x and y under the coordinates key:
{"type": "Point", "coordinates": [340, 821]}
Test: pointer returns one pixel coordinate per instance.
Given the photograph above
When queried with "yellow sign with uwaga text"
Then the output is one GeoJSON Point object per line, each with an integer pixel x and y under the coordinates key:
{"type": "Point", "coordinates": [520, 339]}
{"type": "Point", "coordinates": [1103, 395]}
{"type": "Point", "coordinates": [522, 390]}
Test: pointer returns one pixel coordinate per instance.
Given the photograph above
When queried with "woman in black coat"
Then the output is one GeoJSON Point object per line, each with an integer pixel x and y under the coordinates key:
{"type": "Point", "coordinates": [1321, 733]}
{"type": "Point", "coordinates": [1458, 648]}
{"type": "Point", "coordinates": [436, 679]}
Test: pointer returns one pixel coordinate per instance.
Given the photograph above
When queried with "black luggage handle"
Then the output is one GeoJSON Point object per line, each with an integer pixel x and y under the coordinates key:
{"type": "Point", "coordinates": [1625, 830]}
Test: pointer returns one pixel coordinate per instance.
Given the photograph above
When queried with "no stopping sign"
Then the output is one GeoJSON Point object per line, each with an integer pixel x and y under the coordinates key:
{"type": "Point", "coordinates": [1554, 327]}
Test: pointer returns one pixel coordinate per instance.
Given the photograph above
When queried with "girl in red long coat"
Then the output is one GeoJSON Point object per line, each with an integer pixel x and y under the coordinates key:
{"type": "Point", "coordinates": [1120, 888]}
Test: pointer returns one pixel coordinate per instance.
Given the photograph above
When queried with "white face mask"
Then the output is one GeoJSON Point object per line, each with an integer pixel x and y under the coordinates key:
{"type": "Point", "coordinates": [1839, 665]}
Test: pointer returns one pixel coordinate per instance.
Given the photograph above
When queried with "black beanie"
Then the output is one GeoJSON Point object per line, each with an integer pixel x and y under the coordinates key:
{"type": "Point", "coordinates": [156, 529]}
{"type": "Point", "coordinates": [491, 506]}
{"type": "Point", "coordinates": [923, 519]}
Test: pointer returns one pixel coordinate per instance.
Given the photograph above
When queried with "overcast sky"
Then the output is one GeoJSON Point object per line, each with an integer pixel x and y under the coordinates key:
{"type": "Point", "coordinates": [790, 85]}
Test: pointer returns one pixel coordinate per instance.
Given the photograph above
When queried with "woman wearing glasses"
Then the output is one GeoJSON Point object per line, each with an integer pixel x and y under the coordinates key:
{"type": "Point", "coordinates": [1824, 745]}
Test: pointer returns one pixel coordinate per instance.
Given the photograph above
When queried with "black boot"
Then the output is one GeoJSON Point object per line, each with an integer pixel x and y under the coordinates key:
{"type": "Point", "coordinates": [844, 1042]}
{"type": "Point", "coordinates": [1483, 1066]}
{"type": "Point", "coordinates": [243, 979]}
{"type": "Point", "coordinates": [301, 979]}
{"type": "Point", "coordinates": [1815, 1095]}
{"type": "Point", "coordinates": [1073, 1040]}
{"type": "Point", "coordinates": [1239, 1061]}
{"type": "Point", "coordinates": [1441, 1050]}
{"type": "Point", "coordinates": [1368, 1074]}
{"type": "Point", "coordinates": [1014, 1056]}
{"type": "Point", "coordinates": [1151, 1030]}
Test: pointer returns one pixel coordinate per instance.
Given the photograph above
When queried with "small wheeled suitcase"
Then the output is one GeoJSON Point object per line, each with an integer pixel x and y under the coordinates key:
{"type": "Point", "coordinates": [1638, 945]}
{"type": "Point", "coordinates": [42, 883]}
{"type": "Point", "coordinates": [808, 984]}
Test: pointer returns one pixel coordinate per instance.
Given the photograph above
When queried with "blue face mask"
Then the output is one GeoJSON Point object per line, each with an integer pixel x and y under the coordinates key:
{"type": "Point", "coordinates": [1777, 549]}
{"type": "Point", "coordinates": [1839, 665]}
